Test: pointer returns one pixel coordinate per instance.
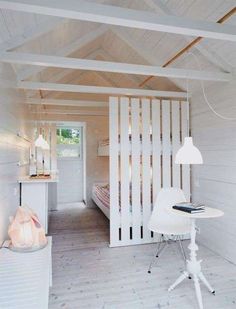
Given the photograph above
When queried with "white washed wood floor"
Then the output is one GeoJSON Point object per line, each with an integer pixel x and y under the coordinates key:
{"type": "Point", "coordinates": [89, 274]}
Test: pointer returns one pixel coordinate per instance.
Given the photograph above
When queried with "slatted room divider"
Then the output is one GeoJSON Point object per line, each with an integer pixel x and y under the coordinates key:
{"type": "Point", "coordinates": [144, 138]}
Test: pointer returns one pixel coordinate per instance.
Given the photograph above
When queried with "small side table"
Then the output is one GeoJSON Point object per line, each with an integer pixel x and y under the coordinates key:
{"type": "Point", "coordinates": [193, 265]}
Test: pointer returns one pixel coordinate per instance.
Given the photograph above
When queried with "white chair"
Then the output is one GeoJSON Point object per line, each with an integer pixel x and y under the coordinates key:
{"type": "Point", "coordinates": [166, 224]}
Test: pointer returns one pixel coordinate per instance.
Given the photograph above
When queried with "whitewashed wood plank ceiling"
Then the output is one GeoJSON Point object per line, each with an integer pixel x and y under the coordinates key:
{"type": "Point", "coordinates": [117, 43]}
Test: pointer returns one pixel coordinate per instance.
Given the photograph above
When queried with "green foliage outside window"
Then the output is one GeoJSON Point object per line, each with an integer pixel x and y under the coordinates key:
{"type": "Point", "coordinates": [68, 136]}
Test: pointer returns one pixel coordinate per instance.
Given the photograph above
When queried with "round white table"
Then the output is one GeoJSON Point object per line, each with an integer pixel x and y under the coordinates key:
{"type": "Point", "coordinates": [193, 265]}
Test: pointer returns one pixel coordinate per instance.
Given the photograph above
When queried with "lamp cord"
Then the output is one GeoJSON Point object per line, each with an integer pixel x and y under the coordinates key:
{"type": "Point", "coordinates": [204, 92]}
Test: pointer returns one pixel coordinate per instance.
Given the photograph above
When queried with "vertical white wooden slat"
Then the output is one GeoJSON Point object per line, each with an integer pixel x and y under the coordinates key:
{"type": "Point", "coordinates": [175, 142]}
{"type": "Point", "coordinates": [114, 171]}
{"type": "Point", "coordinates": [156, 146]}
{"type": "Point", "coordinates": [166, 146]}
{"type": "Point", "coordinates": [146, 175]}
{"type": "Point", "coordinates": [184, 130]}
{"type": "Point", "coordinates": [156, 152]}
{"type": "Point", "coordinates": [135, 155]}
{"type": "Point", "coordinates": [124, 169]}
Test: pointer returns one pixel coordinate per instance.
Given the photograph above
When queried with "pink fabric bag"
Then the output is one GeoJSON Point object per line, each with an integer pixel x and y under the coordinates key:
{"type": "Point", "coordinates": [25, 230]}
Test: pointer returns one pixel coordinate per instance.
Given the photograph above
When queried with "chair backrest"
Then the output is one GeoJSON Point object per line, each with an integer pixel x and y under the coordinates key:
{"type": "Point", "coordinates": [161, 220]}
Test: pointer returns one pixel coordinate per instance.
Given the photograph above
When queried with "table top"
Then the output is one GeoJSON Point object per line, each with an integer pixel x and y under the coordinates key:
{"type": "Point", "coordinates": [208, 213]}
{"type": "Point", "coordinates": [27, 179]}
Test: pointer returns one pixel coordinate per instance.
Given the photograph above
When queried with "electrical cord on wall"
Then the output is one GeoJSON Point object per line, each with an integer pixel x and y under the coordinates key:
{"type": "Point", "coordinates": [204, 92]}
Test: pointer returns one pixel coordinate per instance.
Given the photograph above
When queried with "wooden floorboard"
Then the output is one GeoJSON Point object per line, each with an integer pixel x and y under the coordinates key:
{"type": "Point", "coordinates": [89, 274]}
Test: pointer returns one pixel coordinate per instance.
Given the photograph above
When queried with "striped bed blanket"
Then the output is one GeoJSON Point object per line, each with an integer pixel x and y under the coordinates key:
{"type": "Point", "coordinates": [102, 192]}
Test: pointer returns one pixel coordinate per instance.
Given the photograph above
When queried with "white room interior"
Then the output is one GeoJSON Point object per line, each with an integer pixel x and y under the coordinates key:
{"type": "Point", "coordinates": [129, 80]}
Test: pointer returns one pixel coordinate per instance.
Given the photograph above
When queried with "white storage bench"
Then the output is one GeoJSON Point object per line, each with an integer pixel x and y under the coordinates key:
{"type": "Point", "coordinates": [25, 278]}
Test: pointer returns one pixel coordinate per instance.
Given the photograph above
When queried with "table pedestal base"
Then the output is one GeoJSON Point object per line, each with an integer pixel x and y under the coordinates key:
{"type": "Point", "coordinates": [194, 269]}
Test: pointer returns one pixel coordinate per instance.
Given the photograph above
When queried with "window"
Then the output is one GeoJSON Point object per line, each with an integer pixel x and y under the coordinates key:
{"type": "Point", "coordinates": [69, 142]}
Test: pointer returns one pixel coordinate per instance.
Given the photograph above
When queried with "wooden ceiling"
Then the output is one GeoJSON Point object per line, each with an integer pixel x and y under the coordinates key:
{"type": "Point", "coordinates": [48, 35]}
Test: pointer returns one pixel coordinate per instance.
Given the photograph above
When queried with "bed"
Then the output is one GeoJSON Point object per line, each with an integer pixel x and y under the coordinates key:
{"type": "Point", "coordinates": [101, 197]}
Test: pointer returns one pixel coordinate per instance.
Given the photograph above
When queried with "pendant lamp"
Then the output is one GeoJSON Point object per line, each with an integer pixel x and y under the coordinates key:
{"type": "Point", "coordinates": [41, 142]}
{"type": "Point", "coordinates": [188, 153]}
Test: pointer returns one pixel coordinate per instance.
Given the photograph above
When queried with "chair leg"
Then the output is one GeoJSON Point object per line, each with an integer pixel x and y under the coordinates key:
{"type": "Point", "coordinates": [159, 245]}
{"type": "Point", "coordinates": [162, 243]}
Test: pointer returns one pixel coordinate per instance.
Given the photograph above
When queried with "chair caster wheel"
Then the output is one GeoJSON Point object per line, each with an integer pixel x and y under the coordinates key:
{"type": "Point", "coordinates": [214, 292]}
{"type": "Point", "coordinates": [149, 271]}
{"type": "Point", "coordinates": [189, 277]}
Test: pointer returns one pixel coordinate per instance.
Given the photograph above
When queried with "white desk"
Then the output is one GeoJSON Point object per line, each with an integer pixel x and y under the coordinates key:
{"type": "Point", "coordinates": [25, 278]}
{"type": "Point", "coordinates": [193, 265]}
{"type": "Point", "coordinates": [34, 194]}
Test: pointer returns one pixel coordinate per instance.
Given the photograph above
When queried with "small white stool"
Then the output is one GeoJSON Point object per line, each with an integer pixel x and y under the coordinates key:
{"type": "Point", "coordinates": [193, 265]}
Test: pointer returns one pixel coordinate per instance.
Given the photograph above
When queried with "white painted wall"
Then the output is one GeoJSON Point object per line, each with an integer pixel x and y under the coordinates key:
{"type": "Point", "coordinates": [12, 148]}
{"type": "Point", "coordinates": [215, 181]}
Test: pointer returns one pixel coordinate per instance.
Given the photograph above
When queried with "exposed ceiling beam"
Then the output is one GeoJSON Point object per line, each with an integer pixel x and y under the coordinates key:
{"type": "Point", "coordinates": [66, 112]}
{"type": "Point", "coordinates": [212, 57]}
{"type": "Point", "coordinates": [75, 80]}
{"type": "Point", "coordinates": [107, 66]}
{"type": "Point", "coordinates": [99, 52]}
{"type": "Point", "coordinates": [100, 90]}
{"type": "Point", "coordinates": [31, 34]}
{"type": "Point", "coordinates": [66, 51]}
{"type": "Point", "coordinates": [48, 101]}
{"type": "Point", "coordinates": [114, 15]}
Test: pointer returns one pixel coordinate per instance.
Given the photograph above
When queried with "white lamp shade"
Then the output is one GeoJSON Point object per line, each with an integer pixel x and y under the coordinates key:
{"type": "Point", "coordinates": [46, 145]}
{"type": "Point", "coordinates": [188, 153]}
{"type": "Point", "coordinates": [41, 142]}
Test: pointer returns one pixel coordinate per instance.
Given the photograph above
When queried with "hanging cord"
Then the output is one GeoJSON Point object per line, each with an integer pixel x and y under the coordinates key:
{"type": "Point", "coordinates": [187, 89]}
{"type": "Point", "coordinates": [204, 91]}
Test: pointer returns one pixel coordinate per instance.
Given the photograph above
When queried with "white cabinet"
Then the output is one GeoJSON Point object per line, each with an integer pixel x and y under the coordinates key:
{"type": "Point", "coordinates": [34, 194]}
{"type": "Point", "coordinates": [25, 278]}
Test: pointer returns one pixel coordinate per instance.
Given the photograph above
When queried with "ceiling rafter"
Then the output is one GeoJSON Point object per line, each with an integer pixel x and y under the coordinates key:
{"type": "Point", "coordinates": [73, 112]}
{"type": "Point", "coordinates": [61, 75]}
{"type": "Point", "coordinates": [105, 55]}
{"type": "Point", "coordinates": [108, 66]}
{"type": "Point", "coordinates": [99, 52]}
{"type": "Point", "coordinates": [99, 90]}
{"type": "Point", "coordinates": [108, 14]}
{"type": "Point", "coordinates": [61, 102]}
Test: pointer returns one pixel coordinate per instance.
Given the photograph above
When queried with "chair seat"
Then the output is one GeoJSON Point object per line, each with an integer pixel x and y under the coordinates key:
{"type": "Point", "coordinates": [172, 230]}
{"type": "Point", "coordinates": [162, 221]}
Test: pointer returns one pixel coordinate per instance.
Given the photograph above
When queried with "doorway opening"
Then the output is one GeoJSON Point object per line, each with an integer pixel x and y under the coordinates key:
{"type": "Point", "coordinates": [71, 164]}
